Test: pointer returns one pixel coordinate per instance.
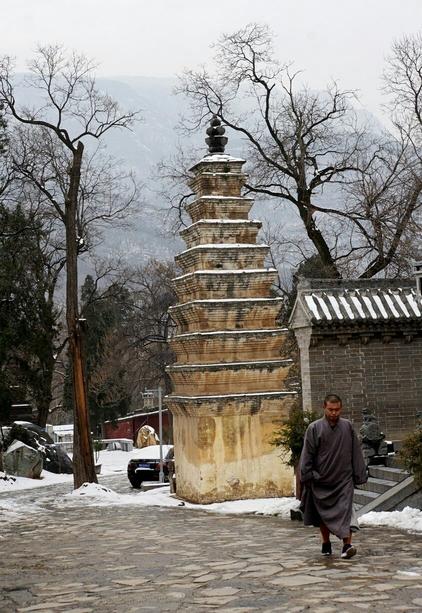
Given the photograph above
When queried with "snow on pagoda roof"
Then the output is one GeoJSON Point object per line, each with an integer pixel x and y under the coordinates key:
{"type": "Point", "coordinates": [224, 246]}
{"type": "Point", "coordinates": [213, 158]}
{"type": "Point", "coordinates": [223, 365]}
{"type": "Point", "coordinates": [222, 396]}
{"type": "Point", "coordinates": [225, 271]}
{"type": "Point", "coordinates": [231, 333]}
{"type": "Point", "coordinates": [223, 221]}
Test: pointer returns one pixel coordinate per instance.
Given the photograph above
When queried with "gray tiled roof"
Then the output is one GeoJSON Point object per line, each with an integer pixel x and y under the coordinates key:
{"type": "Point", "coordinates": [363, 303]}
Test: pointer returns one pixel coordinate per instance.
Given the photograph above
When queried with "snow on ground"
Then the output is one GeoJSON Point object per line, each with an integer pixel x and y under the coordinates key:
{"type": "Point", "coordinates": [115, 462]}
{"type": "Point", "coordinates": [13, 484]}
{"type": "Point", "coordinates": [409, 519]}
{"type": "Point", "coordinates": [98, 495]}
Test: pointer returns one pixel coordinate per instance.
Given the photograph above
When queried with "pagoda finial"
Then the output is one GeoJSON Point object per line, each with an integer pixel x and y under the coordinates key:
{"type": "Point", "coordinates": [216, 140]}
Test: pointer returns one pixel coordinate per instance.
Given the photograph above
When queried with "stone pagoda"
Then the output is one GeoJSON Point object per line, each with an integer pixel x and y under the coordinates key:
{"type": "Point", "coordinates": [229, 390]}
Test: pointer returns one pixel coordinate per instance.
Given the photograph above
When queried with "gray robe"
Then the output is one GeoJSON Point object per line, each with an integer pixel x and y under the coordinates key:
{"type": "Point", "coordinates": [331, 465]}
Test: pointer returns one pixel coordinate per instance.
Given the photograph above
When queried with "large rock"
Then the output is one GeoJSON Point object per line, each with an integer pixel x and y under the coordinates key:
{"type": "Point", "coordinates": [23, 461]}
{"type": "Point", "coordinates": [55, 459]}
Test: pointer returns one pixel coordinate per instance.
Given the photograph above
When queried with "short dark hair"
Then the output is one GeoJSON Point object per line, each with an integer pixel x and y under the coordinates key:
{"type": "Point", "coordinates": [332, 398]}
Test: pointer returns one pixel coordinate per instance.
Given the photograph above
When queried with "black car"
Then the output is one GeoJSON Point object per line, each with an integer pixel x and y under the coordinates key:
{"type": "Point", "coordinates": [145, 464]}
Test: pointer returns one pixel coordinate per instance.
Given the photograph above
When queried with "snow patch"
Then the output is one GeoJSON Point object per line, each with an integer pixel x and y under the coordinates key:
{"type": "Point", "coordinates": [358, 306]}
{"type": "Point", "coordinates": [17, 445]}
{"type": "Point", "coordinates": [409, 519]}
{"type": "Point", "coordinates": [413, 304]}
{"type": "Point", "coordinates": [235, 222]}
{"type": "Point", "coordinates": [225, 271]}
{"type": "Point", "coordinates": [95, 495]}
{"type": "Point", "coordinates": [380, 305]}
{"type": "Point", "coordinates": [368, 304]}
{"type": "Point", "coordinates": [347, 308]}
{"type": "Point", "coordinates": [236, 246]}
{"type": "Point", "coordinates": [232, 333]}
{"type": "Point", "coordinates": [94, 490]}
{"type": "Point", "coordinates": [251, 363]}
{"type": "Point", "coordinates": [402, 306]}
{"type": "Point", "coordinates": [389, 300]}
{"type": "Point", "coordinates": [312, 306]}
{"type": "Point", "coordinates": [336, 307]}
{"type": "Point", "coordinates": [323, 306]}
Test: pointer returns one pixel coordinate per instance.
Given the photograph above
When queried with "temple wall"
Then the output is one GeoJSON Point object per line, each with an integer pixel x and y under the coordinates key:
{"type": "Point", "coordinates": [386, 377]}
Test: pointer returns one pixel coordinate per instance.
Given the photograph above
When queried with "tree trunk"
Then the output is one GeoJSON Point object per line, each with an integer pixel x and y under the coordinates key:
{"type": "Point", "coordinates": [83, 457]}
{"type": "Point", "coordinates": [305, 211]}
{"type": "Point", "coordinates": [43, 406]}
{"type": "Point", "coordinates": [45, 395]}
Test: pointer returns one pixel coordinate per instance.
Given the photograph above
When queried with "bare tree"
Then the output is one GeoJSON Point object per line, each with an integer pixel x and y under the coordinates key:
{"type": "Point", "coordinates": [403, 84]}
{"type": "Point", "coordinates": [151, 326]}
{"type": "Point", "coordinates": [71, 111]}
{"type": "Point", "coordinates": [305, 145]}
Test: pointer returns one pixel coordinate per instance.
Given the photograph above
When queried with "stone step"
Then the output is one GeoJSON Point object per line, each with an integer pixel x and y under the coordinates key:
{"type": "Point", "coordinates": [385, 489]}
{"type": "Point", "coordinates": [363, 497]}
{"type": "Point", "coordinates": [377, 485]}
{"type": "Point", "coordinates": [388, 473]}
{"type": "Point", "coordinates": [395, 497]}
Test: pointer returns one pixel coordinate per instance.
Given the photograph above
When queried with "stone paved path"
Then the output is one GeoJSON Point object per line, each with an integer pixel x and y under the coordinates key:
{"type": "Point", "coordinates": [129, 559]}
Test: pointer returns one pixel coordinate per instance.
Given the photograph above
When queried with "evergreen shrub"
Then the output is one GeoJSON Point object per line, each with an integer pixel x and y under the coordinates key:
{"type": "Point", "coordinates": [291, 435]}
{"type": "Point", "coordinates": [411, 454]}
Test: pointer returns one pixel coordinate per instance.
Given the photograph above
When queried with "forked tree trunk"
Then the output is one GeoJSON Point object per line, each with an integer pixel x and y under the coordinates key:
{"type": "Point", "coordinates": [83, 457]}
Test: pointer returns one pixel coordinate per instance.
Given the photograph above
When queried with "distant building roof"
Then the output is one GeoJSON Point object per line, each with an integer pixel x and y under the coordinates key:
{"type": "Point", "coordinates": [63, 428]}
{"type": "Point", "coordinates": [133, 415]}
{"type": "Point", "coordinates": [336, 302]}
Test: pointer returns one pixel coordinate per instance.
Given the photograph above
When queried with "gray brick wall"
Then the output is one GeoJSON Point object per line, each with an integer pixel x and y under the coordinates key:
{"type": "Point", "coordinates": [385, 377]}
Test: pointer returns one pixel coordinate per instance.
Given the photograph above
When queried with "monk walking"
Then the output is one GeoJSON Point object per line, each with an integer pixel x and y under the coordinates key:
{"type": "Point", "coordinates": [331, 465]}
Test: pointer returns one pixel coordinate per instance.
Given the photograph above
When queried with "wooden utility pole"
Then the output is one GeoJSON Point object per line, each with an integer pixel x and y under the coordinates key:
{"type": "Point", "coordinates": [83, 456]}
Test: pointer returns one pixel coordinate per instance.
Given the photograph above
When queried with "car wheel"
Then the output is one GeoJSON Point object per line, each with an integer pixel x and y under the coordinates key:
{"type": "Point", "coordinates": [136, 483]}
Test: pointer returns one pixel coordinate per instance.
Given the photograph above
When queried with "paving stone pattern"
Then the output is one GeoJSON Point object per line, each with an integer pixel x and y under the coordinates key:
{"type": "Point", "coordinates": [129, 559]}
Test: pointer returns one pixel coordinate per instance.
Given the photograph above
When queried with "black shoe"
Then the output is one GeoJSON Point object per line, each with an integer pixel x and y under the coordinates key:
{"type": "Point", "coordinates": [326, 549]}
{"type": "Point", "coordinates": [348, 551]}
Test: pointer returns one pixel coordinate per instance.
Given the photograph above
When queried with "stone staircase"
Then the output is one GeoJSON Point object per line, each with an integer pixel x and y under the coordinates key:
{"type": "Point", "coordinates": [388, 488]}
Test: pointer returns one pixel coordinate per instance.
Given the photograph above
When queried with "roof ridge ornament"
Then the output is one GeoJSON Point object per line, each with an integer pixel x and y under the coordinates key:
{"type": "Point", "coordinates": [216, 140]}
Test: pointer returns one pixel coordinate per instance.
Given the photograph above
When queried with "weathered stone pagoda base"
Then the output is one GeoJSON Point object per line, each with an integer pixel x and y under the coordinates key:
{"type": "Point", "coordinates": [224, 446]}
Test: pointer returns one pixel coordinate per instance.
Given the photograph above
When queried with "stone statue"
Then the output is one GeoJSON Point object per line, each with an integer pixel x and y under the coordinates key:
{"type": "Point", "coordinates": [146, 436]}
{"type": "Point", "coordinates": [372, 439]}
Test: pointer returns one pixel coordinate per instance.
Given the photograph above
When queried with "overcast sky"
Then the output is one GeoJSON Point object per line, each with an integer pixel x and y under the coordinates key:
{"type": "Point", "coordinates": [342, 39]}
